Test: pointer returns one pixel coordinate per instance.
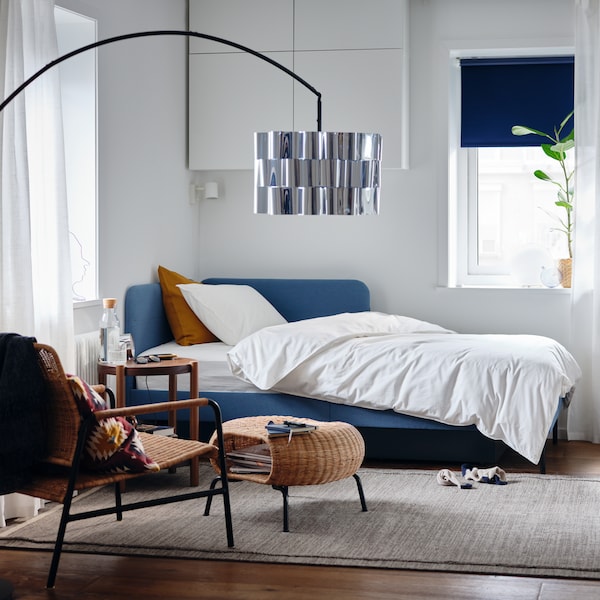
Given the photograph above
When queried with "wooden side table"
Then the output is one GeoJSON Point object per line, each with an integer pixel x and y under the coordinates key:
{"type": "Point", "coordinates": [172, 368]}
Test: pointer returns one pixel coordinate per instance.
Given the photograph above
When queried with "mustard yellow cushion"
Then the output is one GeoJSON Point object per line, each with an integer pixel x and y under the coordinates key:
{"type": "Point", "coordinates": [185, 325]}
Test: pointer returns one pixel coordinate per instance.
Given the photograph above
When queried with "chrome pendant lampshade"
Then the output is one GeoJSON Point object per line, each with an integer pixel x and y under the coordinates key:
{"type": "Point", "coordinates": [316, 173]}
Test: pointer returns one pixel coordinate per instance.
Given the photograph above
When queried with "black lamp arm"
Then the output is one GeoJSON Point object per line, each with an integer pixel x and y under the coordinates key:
{"type": "Point", "coordinates": [139, 34]}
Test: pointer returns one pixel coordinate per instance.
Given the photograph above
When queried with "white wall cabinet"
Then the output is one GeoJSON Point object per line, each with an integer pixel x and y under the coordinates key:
{"type": "Point", "coordinates": [232, 96]}
{"type": "Point", "coordinates": [263, 25]}
{"type": "Point", "coordinates": [349, 24]}
{"type": "Point", "coordinates": [354, 53]}
{"type": "Point", "coordinates": [353, 97]}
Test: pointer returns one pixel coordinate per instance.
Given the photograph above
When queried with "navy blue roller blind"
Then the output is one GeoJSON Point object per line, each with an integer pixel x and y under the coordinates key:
{"type": "Point", "coordinates": [497, 93]}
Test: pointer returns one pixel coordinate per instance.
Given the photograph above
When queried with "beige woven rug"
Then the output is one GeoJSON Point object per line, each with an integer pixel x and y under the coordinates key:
{"type": "Point", "coordinates": [537, 525]}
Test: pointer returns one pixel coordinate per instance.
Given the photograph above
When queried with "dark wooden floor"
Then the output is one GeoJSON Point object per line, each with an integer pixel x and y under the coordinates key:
{"type": "Point", "coordinates": [96, 576]}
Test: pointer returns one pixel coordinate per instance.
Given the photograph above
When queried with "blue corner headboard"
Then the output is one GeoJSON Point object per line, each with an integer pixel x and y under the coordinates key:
{"type": "Point", "coordinates": [298, 299]}
{"type": "Point", "coordinates": [295, 299]}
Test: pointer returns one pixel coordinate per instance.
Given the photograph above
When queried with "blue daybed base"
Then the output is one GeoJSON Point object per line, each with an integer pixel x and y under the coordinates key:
{"type": "Point", "coordinates": [388, 435]}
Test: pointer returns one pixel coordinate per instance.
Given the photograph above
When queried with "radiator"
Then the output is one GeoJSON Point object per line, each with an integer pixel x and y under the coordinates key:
{"type": "Point", "coordinates": [87, 350]}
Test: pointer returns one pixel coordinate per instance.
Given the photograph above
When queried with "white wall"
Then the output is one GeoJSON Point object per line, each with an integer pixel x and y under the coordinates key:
{"type": "Point", "coordinates": [145, 217]}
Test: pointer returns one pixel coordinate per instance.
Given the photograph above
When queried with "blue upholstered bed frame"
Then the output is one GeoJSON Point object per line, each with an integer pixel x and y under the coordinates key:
{"type": "Point", "coordinates": [388, 435]}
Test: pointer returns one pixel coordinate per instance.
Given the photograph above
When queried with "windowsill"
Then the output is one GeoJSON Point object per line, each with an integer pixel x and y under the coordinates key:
{"type": "Point", "coordinates": [545, 290]}
{"type": "Point", "coordinates": [87, 304]}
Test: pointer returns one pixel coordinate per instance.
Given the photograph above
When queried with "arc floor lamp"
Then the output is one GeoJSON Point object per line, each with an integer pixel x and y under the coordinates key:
{"type": "Point", "coordinates": [296, 172]}
{"type": "Point", "coordinates": [305, 172]}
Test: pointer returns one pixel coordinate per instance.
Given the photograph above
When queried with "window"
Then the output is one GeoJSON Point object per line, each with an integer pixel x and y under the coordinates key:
{"type": "Point", "coordinates": [505, 218]}
{"type": "Point", "coordinates": [78, 91]}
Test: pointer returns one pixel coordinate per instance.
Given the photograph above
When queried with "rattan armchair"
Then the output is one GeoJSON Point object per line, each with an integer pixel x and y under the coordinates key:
{"type": "Point", "coordinates": [60, 475]}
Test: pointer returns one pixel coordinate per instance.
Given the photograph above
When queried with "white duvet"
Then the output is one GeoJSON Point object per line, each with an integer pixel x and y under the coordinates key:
{"type": "Point", "coordinates": [508, 386]}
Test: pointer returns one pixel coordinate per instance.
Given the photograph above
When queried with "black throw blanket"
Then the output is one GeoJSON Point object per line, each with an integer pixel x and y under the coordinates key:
{"type": "Point", "coordinates": [22, 411]}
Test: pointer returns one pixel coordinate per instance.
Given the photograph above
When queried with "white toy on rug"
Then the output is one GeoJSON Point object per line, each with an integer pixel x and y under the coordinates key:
{"type": "Point", "coordinates": [489, 475]}
{"type": "Point", "coordinates": [494, 475]}
{"type": "Point", "coordinates": [447, 477]}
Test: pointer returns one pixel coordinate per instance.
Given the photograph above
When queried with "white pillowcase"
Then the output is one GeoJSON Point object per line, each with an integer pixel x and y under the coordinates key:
{"type": "Point", "coordinates": [231, 312]}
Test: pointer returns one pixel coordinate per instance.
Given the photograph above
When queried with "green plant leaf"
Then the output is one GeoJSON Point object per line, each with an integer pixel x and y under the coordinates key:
{"type": "Point", "coordinates": [569, 137]}
{"type": "Point", "coordinates": [549, 151]}
{"type": "Point", "coordinates": [566, 119]}
{"type": "Point", "coordinates": [522, 130]}
{"type": "Point", "coordinates": [541, 175]}
{"type": "Point", "coordinates": [564, 204]}
{"type": "Point", "coordinates": [564, 146]}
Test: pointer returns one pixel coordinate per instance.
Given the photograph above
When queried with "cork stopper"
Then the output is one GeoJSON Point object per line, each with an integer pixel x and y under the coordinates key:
{"type": "Point", "coordinates": [109, 302]}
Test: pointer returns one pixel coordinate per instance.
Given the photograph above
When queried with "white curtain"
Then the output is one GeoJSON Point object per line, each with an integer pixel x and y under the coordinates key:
{"type": "Point", "coordinates": [584, 413]}
{"type": "Point", "coordinates": [35, 267]}
{"type": "Point", "coordinates": [35, 279]}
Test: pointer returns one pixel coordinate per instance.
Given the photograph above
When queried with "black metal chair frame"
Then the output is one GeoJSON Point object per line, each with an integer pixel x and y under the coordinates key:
{"type": "Point", "coordinates": [119, 507]}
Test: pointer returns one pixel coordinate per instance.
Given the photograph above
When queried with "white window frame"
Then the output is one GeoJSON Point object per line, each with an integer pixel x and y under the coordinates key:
{"type": "Point", "coordinates": [81, 182]}
{"type": "Point", "coordinates": [462, 267]}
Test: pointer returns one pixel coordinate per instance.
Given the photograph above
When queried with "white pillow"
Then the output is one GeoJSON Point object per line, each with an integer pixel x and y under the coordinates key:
{"type": "Point", "coordinates": [231, 312]}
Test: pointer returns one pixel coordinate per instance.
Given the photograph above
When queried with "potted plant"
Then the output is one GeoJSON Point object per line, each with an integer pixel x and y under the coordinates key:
{"type": "Point", "coordinates": [557, 150]}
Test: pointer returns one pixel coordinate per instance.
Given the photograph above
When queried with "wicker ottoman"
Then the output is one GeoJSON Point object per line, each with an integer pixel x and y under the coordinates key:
{"type": "Point", "coordinates": [334, 451]}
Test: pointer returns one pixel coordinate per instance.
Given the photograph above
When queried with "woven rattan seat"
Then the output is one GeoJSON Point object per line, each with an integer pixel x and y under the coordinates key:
{"type": "Point", "coordinates": [59, 476]}
{"type": "Point", "coordinates": [334, 451]}
{"type": "Point", "coordinates": [52, 484]}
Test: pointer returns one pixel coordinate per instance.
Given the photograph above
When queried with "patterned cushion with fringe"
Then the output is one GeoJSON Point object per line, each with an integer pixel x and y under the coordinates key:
{"type": "Point", "coordinates": [113, 445]}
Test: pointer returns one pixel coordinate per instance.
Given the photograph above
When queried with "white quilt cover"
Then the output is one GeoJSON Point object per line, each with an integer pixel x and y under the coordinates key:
{"type": "Point", "coordinates": [508, 386]}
